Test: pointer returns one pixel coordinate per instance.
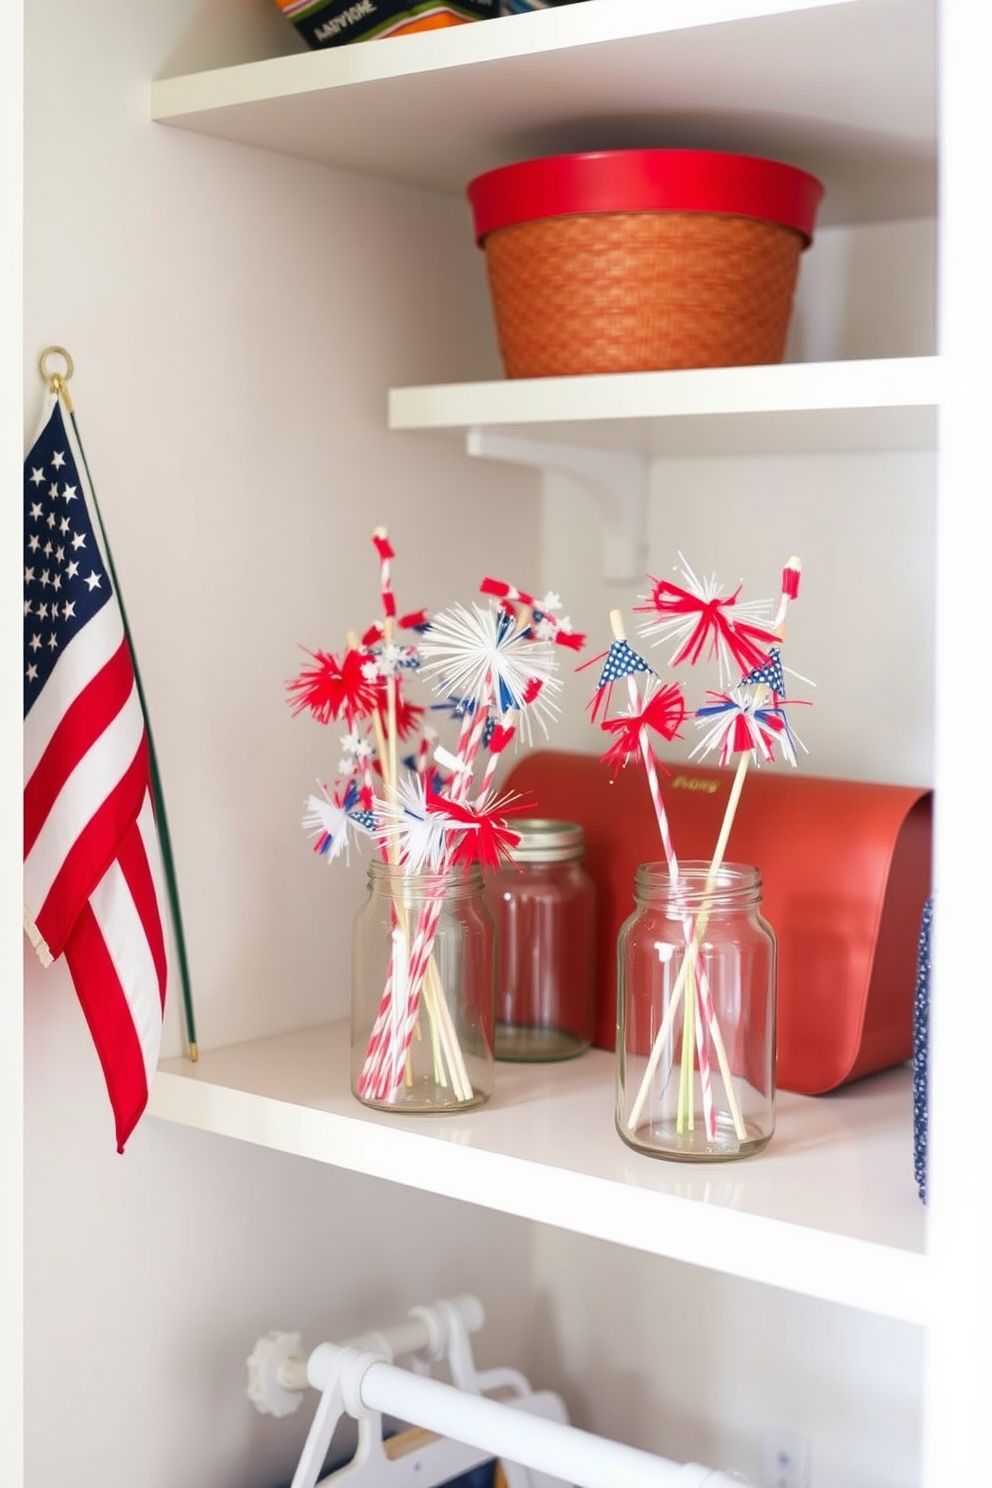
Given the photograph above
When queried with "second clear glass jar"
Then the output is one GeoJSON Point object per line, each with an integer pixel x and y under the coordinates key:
{"type": "Point", "coordinates": [696, 998]}
{"type": "Point", "coordinates": [422, 991]}
{"type": "Point", "coordinates": [543, 902]}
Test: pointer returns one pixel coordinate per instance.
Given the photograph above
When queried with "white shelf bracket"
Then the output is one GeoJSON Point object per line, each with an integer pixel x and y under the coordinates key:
{"type": "Point", "coordinates": [617, 480]}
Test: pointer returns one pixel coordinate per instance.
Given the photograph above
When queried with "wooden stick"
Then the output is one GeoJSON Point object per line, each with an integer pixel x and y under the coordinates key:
{"type": "Point", "coordinates": [693, 1032]}
{"type": "Point", "coordinates": [691, 960]}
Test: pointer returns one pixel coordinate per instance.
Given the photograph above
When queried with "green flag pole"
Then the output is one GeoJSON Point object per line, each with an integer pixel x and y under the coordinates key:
{"type": "Point", "coordinates": [58, 384]}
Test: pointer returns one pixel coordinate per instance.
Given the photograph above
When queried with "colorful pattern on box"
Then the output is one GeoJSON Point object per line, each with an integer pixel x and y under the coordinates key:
{"type": "Point", "coordinates": [327, 23]}
{"type": "Point", "coordinates": [521, 7]}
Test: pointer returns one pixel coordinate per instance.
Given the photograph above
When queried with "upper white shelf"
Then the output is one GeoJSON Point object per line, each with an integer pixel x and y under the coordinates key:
{"type": "Point", "coordinates": [843, 88]}
{"type": "Point", "coordinates": [830, 1209]}
{"type": "Point", "coordinates": [802, 408]}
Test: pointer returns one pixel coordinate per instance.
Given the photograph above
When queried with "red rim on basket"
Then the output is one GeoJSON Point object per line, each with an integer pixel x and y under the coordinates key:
{"type": "Point", "coordinates": [645, 181]}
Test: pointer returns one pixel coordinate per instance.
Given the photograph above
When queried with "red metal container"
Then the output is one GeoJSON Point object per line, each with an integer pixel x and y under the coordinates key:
{"type": "Point", "coordinates": [846, 871]}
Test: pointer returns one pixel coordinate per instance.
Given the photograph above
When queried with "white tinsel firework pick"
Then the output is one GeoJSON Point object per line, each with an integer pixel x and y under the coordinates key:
{"type": "Point", "coordinates": [412, 835]}
{"type": "Point", "coordinates": [484, 654]}
{"type": "Point", "coordinates": [746, 720]}
{"type": "Point", "coordinates": [333, 819]}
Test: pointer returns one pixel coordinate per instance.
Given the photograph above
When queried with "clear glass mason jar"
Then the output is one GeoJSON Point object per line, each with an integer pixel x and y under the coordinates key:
{"type": "Point", "coordinates": [543, 902]}
{"type": "Point", "coordinates": [696, 995]}
{"type": "Point", "coordinates": [422, 991]}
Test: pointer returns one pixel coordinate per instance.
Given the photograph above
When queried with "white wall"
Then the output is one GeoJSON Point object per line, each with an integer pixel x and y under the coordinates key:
{"type": "Point", "coordinates": [11, 1021]}
{"type": "Point", "coordinates": [235, 318]}
{"type": "Point", "coordinates": [699, 1366]}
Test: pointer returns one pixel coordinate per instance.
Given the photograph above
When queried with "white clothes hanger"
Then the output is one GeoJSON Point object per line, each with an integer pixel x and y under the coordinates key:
{"type": "Point", "coordinates": [460, 1427]}
{"type": "Point", "coordinates": [278, 1374]}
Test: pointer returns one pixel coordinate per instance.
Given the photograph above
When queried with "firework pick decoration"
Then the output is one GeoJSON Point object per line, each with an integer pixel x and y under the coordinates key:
{"type": "Point", "coordinates": [662, 709]}
{"type": "Point", "coordinates": [745, 718]}
{"type": "Point", "coordinates": [706, 626]}
{"type": "Point", "coordinates": [430, 809]}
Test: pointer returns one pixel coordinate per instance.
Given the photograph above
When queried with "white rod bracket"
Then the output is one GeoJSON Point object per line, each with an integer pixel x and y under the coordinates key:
{"type": "Point", "coordinates": [277, 1365]}
{"type": "Point", "coordinates": [617, 480]}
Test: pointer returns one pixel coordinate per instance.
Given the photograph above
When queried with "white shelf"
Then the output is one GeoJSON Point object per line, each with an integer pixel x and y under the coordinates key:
{"type": "Point", "coordinates": [816, 82]}
{"type": "Point", "coordinates": [830, 1209]}
{"type": "Point", "coordinates": [809, 408]}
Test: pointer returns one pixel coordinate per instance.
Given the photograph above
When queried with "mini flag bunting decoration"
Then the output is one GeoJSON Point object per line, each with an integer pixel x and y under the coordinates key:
{"type": "Point", "coordinates": [621, 661]}
{"type": "Point", "coordinates": [770, 673]}
{"type": "Point", "coordinates": [97, 873]}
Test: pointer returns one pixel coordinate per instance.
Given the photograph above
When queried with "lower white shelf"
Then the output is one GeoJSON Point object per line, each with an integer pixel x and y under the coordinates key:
{"type": "Point", "coordinates": [829, 1210]}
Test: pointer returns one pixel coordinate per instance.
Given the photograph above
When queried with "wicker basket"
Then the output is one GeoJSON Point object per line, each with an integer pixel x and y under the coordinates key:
{"type": "Point", "coordinates": [699, 273]}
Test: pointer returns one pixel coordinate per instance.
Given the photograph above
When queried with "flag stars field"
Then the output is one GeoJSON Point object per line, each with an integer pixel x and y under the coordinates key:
{"type": "Point", "coordinates": [57, 577]}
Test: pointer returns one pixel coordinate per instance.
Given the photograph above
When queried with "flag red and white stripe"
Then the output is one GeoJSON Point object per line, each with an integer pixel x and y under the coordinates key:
{"type": "Point", "coordinates": [93, 884]}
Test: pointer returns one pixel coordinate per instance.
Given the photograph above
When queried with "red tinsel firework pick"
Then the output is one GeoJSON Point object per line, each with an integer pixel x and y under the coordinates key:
{"type": "Point", "coordinates": [661, 709]}
{"type": "Point", "coordinates": [706, 626]}
{"type": "Point", "coordinates": [336, 690]}
{"type": "Point", "coordinates": [482, 833]}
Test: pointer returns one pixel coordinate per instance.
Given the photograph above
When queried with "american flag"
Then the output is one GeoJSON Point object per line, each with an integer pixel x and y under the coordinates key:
{"type": "Point", "coordinates": [93, 888]}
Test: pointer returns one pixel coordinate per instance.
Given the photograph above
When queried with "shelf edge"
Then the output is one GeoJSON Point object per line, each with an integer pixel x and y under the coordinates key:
{"type": "Point", "coordinates": [181, 95]}
{"type": "Point", "coordinates": [899, 382]}
{"type": "Point", "coordinates": [878, 1279]}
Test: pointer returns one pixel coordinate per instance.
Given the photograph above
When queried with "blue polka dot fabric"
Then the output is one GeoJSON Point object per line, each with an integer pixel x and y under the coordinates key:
{"type": "Point", "coordinates": [921, 1050]}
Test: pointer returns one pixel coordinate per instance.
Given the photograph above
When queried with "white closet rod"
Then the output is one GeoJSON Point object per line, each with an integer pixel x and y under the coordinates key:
{"type": "Point", "coordinates": [368, 1385]}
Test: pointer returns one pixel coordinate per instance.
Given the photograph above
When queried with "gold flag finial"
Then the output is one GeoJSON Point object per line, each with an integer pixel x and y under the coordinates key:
{"type": "Point", "coordinates": [58, 382]}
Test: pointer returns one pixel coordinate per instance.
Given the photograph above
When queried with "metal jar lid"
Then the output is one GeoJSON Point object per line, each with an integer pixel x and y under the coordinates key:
{"type": "Point", "coordinates": [543, 840]}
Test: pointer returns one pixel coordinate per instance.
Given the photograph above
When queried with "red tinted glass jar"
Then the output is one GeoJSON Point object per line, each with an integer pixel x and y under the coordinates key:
{"type": "Point", "coordinates": [543, 903]}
